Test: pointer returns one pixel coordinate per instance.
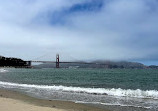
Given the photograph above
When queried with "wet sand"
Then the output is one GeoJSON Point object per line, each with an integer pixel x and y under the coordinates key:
{"type": "Point", "coordinates": [14, 101]}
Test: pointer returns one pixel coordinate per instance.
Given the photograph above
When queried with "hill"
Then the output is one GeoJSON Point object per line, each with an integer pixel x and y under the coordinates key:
{"type": "Point", "coordinates": [96, 64]}
{"type": "Point", "coordinates": [12, 62]}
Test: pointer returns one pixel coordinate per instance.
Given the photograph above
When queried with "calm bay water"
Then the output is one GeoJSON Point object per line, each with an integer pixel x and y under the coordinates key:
{"type": "Point", "coordinates": [133, 88]}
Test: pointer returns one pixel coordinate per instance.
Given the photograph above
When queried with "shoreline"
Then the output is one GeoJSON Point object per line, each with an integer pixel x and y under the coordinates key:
{"type": "Point", "coordinates": [50, 105]}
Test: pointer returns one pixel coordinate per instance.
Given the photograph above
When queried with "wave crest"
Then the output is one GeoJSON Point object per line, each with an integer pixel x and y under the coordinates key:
{"type": "Point", "coordinates": [97, 91]}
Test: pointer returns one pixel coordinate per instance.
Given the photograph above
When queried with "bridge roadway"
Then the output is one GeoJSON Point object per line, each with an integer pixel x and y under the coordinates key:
{"type": "Point", "coordinates": [63, 62]}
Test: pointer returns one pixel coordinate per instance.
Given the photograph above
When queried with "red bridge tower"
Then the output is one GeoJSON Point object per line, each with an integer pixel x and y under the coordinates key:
{"type": "Point", "coordinates": [57, 61]}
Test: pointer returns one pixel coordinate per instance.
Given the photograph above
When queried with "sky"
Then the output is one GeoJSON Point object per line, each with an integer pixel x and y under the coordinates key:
{"type": "Point", "coordinates": [118, 30]}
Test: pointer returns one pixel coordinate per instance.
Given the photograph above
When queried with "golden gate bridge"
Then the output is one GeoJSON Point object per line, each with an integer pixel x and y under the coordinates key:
{"type": "Point", "coordinates": [57, 62]}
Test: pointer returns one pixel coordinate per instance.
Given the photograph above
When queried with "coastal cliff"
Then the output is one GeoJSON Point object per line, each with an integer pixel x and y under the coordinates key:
{"type": "Point", "coordinates": [12, 62]}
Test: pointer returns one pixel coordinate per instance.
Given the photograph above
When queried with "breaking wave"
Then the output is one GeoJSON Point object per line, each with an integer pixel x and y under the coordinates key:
{"type": "Point", "coordinates": [96, 91]}
{"type": "Point", "coordinates": [3, 70]}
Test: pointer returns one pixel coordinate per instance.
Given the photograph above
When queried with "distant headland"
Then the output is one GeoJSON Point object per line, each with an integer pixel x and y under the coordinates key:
{"type": "Point", "coordinates": [13, 62]}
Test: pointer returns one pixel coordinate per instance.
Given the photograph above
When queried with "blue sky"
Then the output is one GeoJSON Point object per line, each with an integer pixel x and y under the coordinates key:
{"type": "Point", "coordinates": [80, 29]}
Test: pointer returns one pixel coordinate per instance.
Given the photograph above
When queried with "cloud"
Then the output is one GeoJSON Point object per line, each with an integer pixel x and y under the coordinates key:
{"type": "Point", "coordinates": [86, 30]}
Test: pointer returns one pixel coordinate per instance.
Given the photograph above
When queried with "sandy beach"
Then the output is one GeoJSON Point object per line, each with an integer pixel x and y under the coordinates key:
{"type": "Point", "coordinates": [14, 101]}
{"type": "Point", "coordinates": [7, 104]}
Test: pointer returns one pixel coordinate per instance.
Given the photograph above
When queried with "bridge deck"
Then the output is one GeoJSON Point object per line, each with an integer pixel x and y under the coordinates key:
{"type": "Point", "coordinates": [63, 62]}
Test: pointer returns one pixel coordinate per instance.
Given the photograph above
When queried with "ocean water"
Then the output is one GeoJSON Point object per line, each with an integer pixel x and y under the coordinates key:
{"type": "Point", "coordinates": [132, 89]}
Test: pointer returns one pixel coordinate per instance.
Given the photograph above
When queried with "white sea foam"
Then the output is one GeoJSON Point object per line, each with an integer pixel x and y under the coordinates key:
{"type": "Point", "coordinates": [3, 70]}
{"type": "Point", "coordinates": [100, 91]}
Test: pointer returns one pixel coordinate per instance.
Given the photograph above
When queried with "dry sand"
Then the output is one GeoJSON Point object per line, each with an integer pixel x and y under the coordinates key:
{"type": "Point", "coordinates": [14, 101]}
{"type": "Point", "coordinates": [7, 104]}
